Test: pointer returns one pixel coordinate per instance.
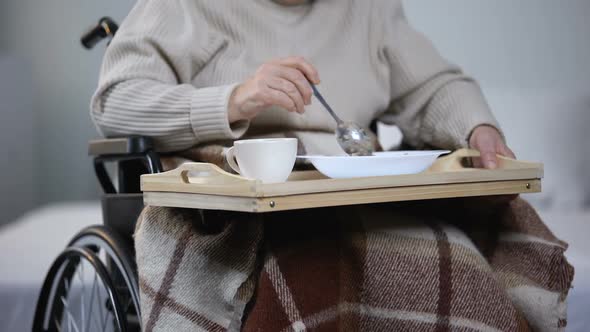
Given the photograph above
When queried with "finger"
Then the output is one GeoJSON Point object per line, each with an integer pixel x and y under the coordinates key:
{"type": "Point", "coordinates": [299, 63]}
{"type": "Point", "coordinates": [291, 90]}
{"type": "Point", "coordinates": [489, 159]}
{"type": "Point", "coordinates": [487, 150]}
{"type": "Point", "coordinates": [281, 99]}
{"type": "Point", "coordinates": [298, 79]}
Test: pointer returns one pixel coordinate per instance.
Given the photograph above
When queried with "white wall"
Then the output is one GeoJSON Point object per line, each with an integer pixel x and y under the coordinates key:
{"type": "Point", "coordinates": [44, 36]}
{"type": "Point", "coordinates": [525, 44]}
{"type": "Point", "coordinates": [17, 189]}
{"type": "Point", "coordinates": [532, 58]}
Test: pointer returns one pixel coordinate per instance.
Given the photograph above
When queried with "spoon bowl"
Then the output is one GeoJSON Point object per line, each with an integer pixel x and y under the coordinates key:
{"type": "Point", "coordinates": [352, 138]}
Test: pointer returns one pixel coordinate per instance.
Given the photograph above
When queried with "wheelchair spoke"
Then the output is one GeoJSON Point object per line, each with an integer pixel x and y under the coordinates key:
{"type": "Point", "coordinates": [89, 318]}
{"type": "Point", "coordinates": [69, 315]}
{"type": "Point", "coordinates": [67, 285]}
{"type": "Point", "coordinates": [100, 307]}
{"type": "Point", "coordinates": [81, 274]}
{"type": "Point", "coordinates": [94, 284]}
{"type": "Point", "coordinates": [100, 313]}
{"type": "Point", "coordinates": [107, 281]}
{"type": "Point", "coordinates": [57, 324]}
{"type": "Point", "coordinates": [64, 299]}
{"type": "Point", "coordinates": [104, 322]}
{"type": "Point", "coordinates": [72, 321]}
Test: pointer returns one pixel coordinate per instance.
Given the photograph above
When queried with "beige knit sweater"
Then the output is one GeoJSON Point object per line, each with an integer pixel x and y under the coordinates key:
{"type": "Point", "coordinates": [173, 64]}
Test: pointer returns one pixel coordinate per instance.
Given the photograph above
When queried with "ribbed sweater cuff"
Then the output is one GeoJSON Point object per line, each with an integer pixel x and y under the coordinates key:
{"type": "Point", "coordinates": [455, 111]}
{"type": "Point", "coordinates": [209, 118]}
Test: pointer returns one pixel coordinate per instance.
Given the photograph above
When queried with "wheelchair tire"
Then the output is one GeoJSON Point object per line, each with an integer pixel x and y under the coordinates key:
{"type": "Point", "coordinates": [120, 252]}
{"type": "Point", "coordinates": [100, 254]}
{"type": "Point", "coordinates": [56, 312]}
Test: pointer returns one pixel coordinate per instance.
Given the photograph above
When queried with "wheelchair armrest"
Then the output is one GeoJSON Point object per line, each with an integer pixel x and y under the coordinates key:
{"type": "Point", "coordinates": [135, 155]}
{"type": "Point", "coordinates": [120, 146]}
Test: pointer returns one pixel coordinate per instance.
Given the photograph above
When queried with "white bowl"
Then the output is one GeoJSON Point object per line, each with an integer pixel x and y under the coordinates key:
{"type": "Point", "coordinates": [379, 164]}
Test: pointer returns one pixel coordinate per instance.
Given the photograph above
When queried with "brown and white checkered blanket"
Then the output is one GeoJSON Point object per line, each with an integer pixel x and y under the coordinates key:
{"type": "Point", "coordinates": [464, 265]}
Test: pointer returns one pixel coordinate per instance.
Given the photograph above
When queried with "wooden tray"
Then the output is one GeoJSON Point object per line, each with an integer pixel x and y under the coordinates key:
{"type": "Point", "coordinates": [206, 186]}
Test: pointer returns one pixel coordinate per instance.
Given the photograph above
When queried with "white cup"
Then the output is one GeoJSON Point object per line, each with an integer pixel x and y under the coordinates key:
{"type": "Point", "coordinates": [269, 160]}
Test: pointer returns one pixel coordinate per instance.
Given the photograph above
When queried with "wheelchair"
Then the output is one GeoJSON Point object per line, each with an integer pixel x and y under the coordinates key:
{"type": "Point", "coordinates": [93, 284]}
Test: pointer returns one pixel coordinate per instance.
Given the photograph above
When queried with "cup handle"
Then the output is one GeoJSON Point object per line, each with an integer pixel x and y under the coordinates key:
{"type": "Point", "coordinates": [231, 160]}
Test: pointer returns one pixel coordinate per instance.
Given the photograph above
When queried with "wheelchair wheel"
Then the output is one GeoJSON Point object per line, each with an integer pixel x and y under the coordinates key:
{"type": "Point", "coordinates": [91, 286]}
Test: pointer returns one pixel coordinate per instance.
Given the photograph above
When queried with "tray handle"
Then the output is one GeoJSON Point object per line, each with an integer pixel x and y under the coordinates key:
{"type": "Point", "coordinates": [455, 161]}
{"type": "Point", "coordinates": [200, 173]}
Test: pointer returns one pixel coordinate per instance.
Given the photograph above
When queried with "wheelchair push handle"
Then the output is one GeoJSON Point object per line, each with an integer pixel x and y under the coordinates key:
{"type": "Point", "coordinates": [105, 28]}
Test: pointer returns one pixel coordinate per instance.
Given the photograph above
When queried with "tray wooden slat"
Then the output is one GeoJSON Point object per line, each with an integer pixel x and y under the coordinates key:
{"type": "Point", "coordinates": [341, 198]}
{"type": "Point", "coordinates": [205, 186]}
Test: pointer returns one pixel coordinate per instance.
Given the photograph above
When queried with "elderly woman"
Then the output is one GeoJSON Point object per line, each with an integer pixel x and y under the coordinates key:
{"type": "Point", "coordinates": [196, 74]}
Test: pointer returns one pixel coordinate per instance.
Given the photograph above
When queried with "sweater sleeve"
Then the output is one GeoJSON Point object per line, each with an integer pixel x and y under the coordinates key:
{"type": "Point", "coordinates": [433, 102]}
{"type": "Point", "coordinates": [145, 83]}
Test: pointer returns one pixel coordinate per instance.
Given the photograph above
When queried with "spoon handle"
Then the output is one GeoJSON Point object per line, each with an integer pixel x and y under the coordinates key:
{"type": "Point", "coordinates": [319, 96]}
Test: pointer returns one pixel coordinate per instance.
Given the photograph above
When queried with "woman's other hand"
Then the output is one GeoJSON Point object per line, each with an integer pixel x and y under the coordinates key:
{"type": "Point", "coordinates": [489, 142]}
{"type": "Point", "coordinates": [283, 83]}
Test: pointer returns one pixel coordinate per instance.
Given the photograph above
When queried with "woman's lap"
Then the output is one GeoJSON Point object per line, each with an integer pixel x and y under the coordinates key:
{"type": "Point", "coordinates": [389, 266]}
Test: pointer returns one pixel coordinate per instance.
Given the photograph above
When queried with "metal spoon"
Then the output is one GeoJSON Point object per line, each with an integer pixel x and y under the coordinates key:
{"type": "Point", "coordinates": [353, 138]}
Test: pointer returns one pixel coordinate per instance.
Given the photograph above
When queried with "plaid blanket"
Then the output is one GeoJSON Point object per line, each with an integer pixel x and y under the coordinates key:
{"type": "Point", "coordinates": [463, 264]}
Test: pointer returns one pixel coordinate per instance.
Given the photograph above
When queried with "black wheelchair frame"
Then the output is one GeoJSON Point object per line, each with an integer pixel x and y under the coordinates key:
{"type": "Point", "coordinates": [106, 250]}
